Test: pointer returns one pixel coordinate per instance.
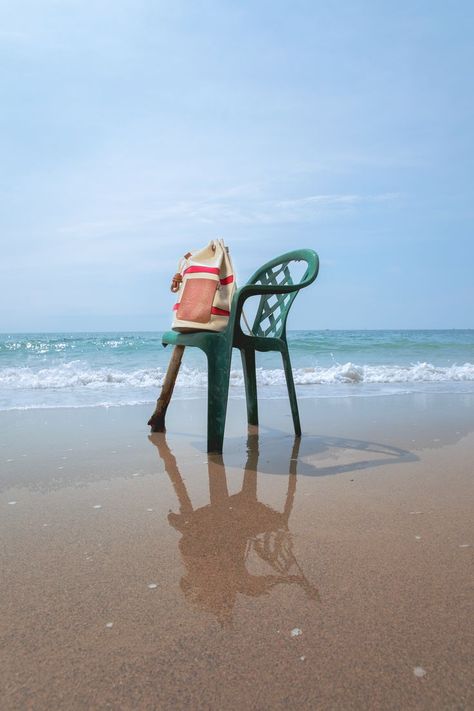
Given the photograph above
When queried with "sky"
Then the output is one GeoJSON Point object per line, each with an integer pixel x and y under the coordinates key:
{"type": "Point", "coordinates": [133, 131]}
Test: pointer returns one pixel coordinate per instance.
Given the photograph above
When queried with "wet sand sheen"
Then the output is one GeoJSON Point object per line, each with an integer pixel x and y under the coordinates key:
{"type": "Point", "coordinates": [328, 573]}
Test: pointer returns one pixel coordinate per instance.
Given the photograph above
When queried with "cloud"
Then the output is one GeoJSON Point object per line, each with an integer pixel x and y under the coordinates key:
{"type": "Point", "coordinates": [126, 234]}
{"type": "Point", "coordinates": [302, 209]}
{"type": "Point", "coordinates": [226, 209]}
{"type": "Point", "coordinates": [257, 211]}
{"type": "Point", "coordinates": [325, 200]}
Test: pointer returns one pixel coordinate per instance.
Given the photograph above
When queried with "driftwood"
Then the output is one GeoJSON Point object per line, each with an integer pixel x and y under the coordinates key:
{"type": "Point", "coordinates": [157, 420]}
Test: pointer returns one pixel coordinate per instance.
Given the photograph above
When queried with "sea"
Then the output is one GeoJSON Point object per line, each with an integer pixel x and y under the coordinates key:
{"type": "Point", "coordinates": [51, 370]}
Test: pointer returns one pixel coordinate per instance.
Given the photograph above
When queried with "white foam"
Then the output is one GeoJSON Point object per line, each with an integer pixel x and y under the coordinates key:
{"type": "Point", "coordinates": [78, 384]}
{"type": "Point", "coordinates": [352, 373]}
{"type": "Point", "coordinates": [76, 374]}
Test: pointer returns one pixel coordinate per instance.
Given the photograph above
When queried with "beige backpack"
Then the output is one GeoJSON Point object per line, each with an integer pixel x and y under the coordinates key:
{"type": "Point", "coordinates": [205, 284]}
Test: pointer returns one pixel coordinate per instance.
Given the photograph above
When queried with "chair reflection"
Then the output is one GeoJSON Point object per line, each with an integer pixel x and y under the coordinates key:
{"type": "Point", "coordinates": [218, 540]}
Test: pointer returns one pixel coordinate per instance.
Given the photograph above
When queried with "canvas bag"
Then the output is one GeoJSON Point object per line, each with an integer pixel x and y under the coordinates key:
{"type": "Point", "coordinates": [205, 285]}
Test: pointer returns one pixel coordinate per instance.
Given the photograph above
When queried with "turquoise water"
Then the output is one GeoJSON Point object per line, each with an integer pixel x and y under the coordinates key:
{"type": "Point", "coordinates": [101, 369]}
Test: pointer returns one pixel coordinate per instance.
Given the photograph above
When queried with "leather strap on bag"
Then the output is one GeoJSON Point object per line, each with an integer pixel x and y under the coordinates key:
{"type": "Point", "coordinates": [178, 277]}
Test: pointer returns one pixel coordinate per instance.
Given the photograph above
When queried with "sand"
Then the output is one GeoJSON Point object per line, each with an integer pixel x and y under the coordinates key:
{"type": "Point", "coordinates": [330, 573]}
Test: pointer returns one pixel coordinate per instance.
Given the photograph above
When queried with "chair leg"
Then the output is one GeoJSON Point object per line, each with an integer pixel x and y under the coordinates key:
{"type": "Point", "coordinates": [250, 377]}
{"type": "Point", "coordinates": [218, 374]}
{"type": "Point", "coordinates": [291, 392]}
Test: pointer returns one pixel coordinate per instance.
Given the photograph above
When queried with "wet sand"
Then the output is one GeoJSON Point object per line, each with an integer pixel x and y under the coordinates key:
{"type": "Point", "coordinates": [333, 572]}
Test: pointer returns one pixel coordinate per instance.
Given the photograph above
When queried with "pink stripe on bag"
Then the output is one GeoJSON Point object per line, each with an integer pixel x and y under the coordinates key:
{"type": "Point", "coordinates": [214, 310]}
{"type": "Point", "coordinates": [208, 270]}
{"type": "Point", "coordinates": [227, 280]}
{"type": "Point", "coordinates": [201, 270]}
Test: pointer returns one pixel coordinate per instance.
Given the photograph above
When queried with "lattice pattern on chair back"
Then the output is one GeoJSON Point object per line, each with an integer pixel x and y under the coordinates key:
{"type": "Point", "coordinates": [273, 309]}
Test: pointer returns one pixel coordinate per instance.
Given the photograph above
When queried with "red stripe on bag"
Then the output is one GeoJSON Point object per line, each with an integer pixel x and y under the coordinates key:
{"type": "Point", "coordinates": [208, 270]}
{"type": "Point", "coordinates": [214, 311]}
{"type": "Point", "coordinates": [202, 270]}
{"type": "Point", "coordinates": [227, 280]}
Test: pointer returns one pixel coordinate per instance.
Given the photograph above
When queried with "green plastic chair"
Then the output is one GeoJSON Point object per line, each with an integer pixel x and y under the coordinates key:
{"type": "Point", "coordinates": [277, 291]}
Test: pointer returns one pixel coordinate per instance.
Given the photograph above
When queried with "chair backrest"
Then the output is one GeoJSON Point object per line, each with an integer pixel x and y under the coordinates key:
{"type": "Point", "coordinates": [273, 308]}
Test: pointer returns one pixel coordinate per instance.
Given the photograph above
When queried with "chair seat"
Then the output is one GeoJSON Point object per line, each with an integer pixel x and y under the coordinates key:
{"type": "Point", "coordinates": [201, 339]}
{"type": "Point", "coordinates": [204, 339]}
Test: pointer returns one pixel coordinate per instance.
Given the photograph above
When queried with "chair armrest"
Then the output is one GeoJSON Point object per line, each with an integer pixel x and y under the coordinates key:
{"type": "Point", "coordinates": [260, 289]}
{"type": "Point", "coordinates": [248, 290]}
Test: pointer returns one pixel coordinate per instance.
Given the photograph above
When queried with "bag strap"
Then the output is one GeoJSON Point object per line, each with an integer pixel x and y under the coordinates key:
{"type": "Point", "coordinates": [178, 277]}
{"type": "Point", "coordinates": [251, 333]}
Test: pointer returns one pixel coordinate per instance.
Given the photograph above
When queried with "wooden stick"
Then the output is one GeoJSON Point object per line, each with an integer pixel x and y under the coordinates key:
{"type": "Point", "coordinates": [157, 420]}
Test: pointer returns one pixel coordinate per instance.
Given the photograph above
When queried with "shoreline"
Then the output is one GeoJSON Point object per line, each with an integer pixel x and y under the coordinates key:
{"type": "Point", "coordinates": [271, 393]}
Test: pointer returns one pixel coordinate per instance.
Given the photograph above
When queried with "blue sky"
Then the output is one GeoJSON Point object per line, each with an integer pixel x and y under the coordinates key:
{"type": "Point", "coordinates": [132, 132]}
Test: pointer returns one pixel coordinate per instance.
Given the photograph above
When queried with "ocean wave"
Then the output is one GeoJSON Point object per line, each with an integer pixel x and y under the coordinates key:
{"type": "Point", "coordinates": [78, 375]}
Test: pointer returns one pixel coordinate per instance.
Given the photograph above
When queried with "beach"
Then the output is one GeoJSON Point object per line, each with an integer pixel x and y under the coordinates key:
{"type": "Point", "coordinates": [331, 572]}
{"type": "Point", "coordinates": [289, 186]}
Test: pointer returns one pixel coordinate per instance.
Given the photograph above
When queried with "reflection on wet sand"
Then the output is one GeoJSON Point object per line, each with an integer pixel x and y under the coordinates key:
{"type": "Point", "coordinates": [219, 538]}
